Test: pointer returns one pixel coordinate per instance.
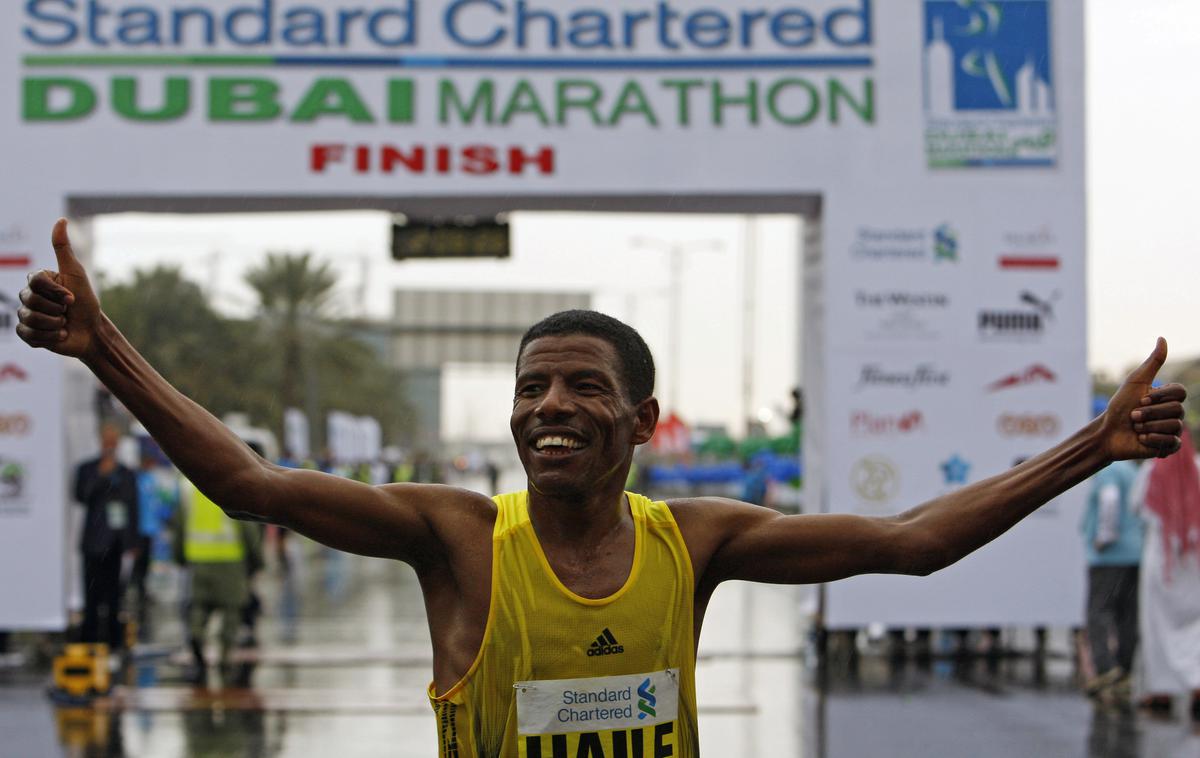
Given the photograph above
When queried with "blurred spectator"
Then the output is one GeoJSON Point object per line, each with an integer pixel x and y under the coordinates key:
{"type": "Point", "coordinates": [1167, 492]}
{"type": "Point", "coordinates": [158, 495]}
{"type": "Point", "coordinates": [216, 549]}
{"type": "Point", "coordinates": [492, 471]}
{"type": "Point", "coordinates": [252, 563]}
{"type": "Point", "coordinates": [1112, 533]}
{"type": "Point", "coordinates": [286, 459]}
{"type": "Point", "coordinates": [109, 493]}
{"type": "Point", "coordinates": [426, 469]}
{"type": "Point", "coordinates": [755, 482]}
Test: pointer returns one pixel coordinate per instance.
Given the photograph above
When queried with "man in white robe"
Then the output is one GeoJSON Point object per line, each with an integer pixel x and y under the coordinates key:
{"type": "Point", "coordinates": [1167, 491]}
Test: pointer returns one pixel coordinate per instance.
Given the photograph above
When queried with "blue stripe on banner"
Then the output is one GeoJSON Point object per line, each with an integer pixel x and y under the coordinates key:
{"type": "Point", "coordinates": [567, 63]}
{"type": "Point", "coordinates": [1008, 162]}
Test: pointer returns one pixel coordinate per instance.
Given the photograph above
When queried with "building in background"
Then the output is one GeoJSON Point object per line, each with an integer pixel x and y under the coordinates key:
{"type": "Point", "coordinates": [431, 330]}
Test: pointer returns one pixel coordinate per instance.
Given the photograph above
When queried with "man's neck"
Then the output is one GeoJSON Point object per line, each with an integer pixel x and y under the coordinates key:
{"type": "Point", "coordinates": [584, 519]}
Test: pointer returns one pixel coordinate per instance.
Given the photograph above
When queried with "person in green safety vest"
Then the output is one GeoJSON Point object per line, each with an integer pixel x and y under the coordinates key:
{"type": "Point", "coordinates": [217, 551]}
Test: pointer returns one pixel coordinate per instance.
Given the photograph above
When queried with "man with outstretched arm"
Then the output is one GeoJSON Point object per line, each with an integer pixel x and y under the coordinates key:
{"type": "Point", "coordinates": [564, 619]}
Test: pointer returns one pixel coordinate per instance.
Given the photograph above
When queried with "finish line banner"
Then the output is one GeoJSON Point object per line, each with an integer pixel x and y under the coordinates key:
{"type": "Point", "coordinates": [941, 140]}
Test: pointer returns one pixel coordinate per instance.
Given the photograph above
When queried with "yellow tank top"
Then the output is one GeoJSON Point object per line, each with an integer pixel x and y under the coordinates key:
{"type": "Point", "coordinates": [563, 676]}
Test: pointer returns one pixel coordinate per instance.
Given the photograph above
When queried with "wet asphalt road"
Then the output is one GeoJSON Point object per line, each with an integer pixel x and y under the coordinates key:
{"type": "Point", "coordinates": [343, 662]}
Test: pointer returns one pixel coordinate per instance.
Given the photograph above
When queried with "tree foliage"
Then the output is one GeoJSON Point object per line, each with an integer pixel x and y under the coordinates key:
{"type": "Point", "coordinates": [293, 293]}
{"type": "Point", "coordinates": [293, 286]}
{"type": "Point", "coordinates": [292, 355]}
{"type": "Point", "coordinates": [351, 378]}
{"type": "Point", "coordinates": [167, 318]}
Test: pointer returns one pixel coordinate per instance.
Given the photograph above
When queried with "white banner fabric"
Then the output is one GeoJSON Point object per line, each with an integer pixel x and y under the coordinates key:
{"type": "Point", "coordinates": [943, 140]}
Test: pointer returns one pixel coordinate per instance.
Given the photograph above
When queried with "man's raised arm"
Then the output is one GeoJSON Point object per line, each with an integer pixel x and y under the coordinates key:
{"type": "Point", "coordinates": [61, 313]}
{"type": "Point", "coordinates": [744, 542]}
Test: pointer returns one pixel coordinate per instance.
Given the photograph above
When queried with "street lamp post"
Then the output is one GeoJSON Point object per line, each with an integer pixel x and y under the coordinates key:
{"type": "Point", "coordinates": [675, 251]}
{"type": "Point", "coordinates": [749, 325]}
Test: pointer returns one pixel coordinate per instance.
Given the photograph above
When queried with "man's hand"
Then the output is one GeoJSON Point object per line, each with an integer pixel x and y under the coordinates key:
{"type": "Point", "coordinates": [1144, 422]}
{"type": "Point", "coordinates": [59, 310]}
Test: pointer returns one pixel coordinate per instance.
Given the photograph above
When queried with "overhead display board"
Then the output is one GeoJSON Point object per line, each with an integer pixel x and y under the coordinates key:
{"type": "Point", "coordinates": [943, 141]}
{"type": "Point", "coordinates": [470, 238]}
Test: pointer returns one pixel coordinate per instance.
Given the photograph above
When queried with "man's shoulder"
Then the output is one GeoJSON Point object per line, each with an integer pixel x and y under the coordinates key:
{"type": "Point", "coordinates": [707, 509]}
{"type": "Point", "coordinates": [440, 501]}
{"type": "Point", "coordinates": [707, 503]}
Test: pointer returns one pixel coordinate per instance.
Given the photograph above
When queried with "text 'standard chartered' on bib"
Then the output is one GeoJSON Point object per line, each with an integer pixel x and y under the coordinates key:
{"type": "Point", "coordinates": [628, 716]}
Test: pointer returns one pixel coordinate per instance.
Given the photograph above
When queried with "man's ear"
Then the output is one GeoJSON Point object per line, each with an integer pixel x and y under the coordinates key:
{"type": "Point", "coordinates": [645, 421]}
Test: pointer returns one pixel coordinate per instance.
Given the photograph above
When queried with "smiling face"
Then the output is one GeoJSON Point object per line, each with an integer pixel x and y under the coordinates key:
{"type": "Point", "coordinates": [572, 420]}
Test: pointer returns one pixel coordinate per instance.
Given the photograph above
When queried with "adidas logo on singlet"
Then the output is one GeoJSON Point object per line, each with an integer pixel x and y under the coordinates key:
{"type": "Point", "coordinates": [605, 644]}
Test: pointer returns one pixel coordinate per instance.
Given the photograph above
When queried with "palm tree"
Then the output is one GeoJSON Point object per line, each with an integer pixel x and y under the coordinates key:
{"type": "Point", "coordinates": [293, 292]}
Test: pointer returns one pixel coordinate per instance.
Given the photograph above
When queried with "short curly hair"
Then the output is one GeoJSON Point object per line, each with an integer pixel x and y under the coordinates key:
{"type": "Point", "coordinates": [636, 362]}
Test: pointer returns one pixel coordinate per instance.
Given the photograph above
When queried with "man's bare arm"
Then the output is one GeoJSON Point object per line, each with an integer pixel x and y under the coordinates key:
{"type": "Point", "coordinates": [60, 312]}
{"type": "Point", "coordinates": [737, 541]}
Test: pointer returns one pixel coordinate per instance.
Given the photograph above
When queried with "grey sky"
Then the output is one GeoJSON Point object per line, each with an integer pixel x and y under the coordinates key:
{"type": "Point", "coordinates": [1143, 163]}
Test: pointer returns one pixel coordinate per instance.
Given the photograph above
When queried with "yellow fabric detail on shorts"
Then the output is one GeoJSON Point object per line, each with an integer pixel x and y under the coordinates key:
{"type": "Point", "coordinates": [209, 535]}
{"type": "Point", "coordinates": [540, 631]}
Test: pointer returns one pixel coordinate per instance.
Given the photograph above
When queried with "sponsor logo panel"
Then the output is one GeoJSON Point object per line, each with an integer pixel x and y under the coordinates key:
{"type": "Point", "coordinates": [989, 93]}
{"type": "Point", "coordinates": [902, 313]}
{"type": "Point", "coordinates": [11, 373]}
{"type": "Point", "coordinates": [872, 424]}
{"type": "Point", "coordinates": [875, 479]}
{"type": "Point", "coordinates": [1028, 424]}
{"type": "Point", "coordinates": [955, 470]}
{"type": "Point", "coordinates": [9, 259]}
{"type": "Point", "coordinates": [1027, 320]}
{"type": "Point", "coordinates": [902, 325]}
{"type": "Point", "coordinates": [1033, 374]}
{"type": "Point", "coordinates": [13, 253]}
{"type": "Point", "coordinates": [911, 378]}
{"type": "Point", "coordinates": [1012, 262]}
{"type": "Point", "coordinates": [16, 481]}
{"type": "Point", "coordinates": [15, 486]}
{"type": "Point", "coordinates": [8, 316]}
{"type": "Point", "coordinates": [15, 424]}
{"type": "Point", "coordinates": [938, 245]}
{"type": "Point", "coordinates": [1029, 250]}
{"type": "Point", "coordinates": [874, 299]}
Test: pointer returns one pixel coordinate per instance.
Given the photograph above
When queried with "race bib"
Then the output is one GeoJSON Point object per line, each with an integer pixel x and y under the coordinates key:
{"type": "Point", "coordinates": [116, 514]}
{"type": "Point", "coordinates": [601, 717]}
